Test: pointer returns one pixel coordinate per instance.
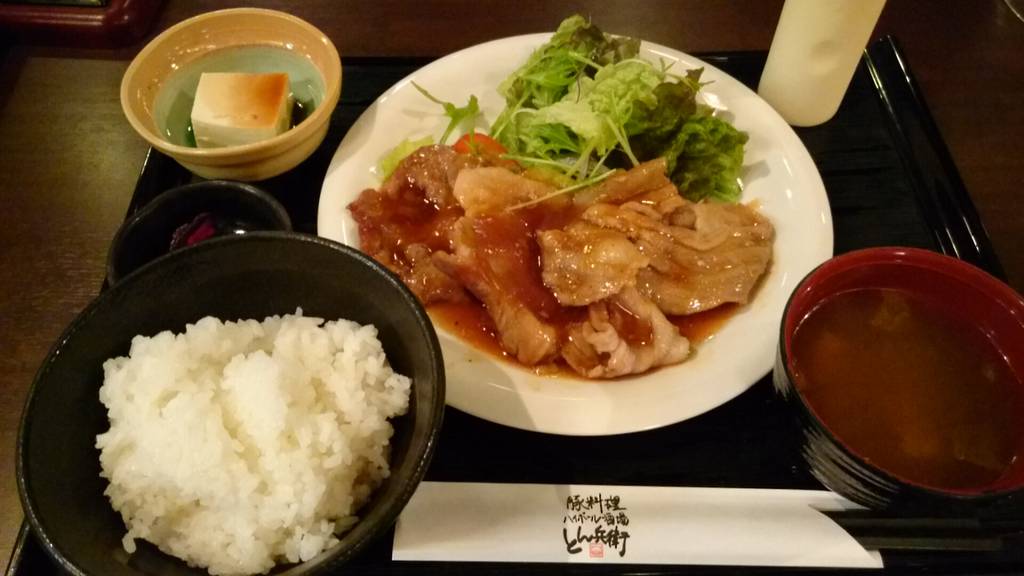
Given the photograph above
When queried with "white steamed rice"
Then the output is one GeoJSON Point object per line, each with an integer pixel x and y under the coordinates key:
{"type": "Point", "coordinates": [239, 444]}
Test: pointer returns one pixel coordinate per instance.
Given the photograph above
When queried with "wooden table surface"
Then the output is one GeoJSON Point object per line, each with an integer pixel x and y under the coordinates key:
{"type": "Point", "coordinates": [69, 160]}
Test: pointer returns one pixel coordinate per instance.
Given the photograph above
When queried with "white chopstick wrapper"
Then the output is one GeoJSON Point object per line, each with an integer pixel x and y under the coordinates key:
{"type": "Point", "coordinates": [478, 522]}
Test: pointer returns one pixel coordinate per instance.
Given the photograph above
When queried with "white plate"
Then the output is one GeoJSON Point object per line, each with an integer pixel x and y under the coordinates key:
{"type": "Point", "coordinates": [778, 174]}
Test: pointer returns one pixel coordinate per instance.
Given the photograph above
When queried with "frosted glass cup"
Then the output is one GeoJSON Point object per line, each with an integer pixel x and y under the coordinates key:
{"type": "Point", "coordinates": [813, 56]}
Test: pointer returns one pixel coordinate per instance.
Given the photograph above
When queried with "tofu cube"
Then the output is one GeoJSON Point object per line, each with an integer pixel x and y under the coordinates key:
{"type": "Point", "coordinates": [231, 109]}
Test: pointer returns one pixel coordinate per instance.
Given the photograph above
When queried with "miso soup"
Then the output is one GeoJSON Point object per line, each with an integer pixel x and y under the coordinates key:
{"type": "Point", "coordinates": [912, 387]}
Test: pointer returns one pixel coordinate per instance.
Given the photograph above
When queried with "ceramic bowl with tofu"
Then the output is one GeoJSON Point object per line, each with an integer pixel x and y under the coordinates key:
{"type": "Point", "coordinates": [237, 108]}
{"type": "Point", "coordinates": [238, 94]}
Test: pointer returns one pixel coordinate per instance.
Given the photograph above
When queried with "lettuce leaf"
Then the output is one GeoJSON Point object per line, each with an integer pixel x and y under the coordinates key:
{"type": "Point", "coordinates": [555, 66]}
{"type": "Point", "coordinates": [575, 51]}
{"type": "Point", "coordinates": [654, 126]}
{"type": "Point", "coordinates": [705, 159]}
{"type": "Point", "coordinates": [584, 101]}
{"type": "Point", "coordinates": [458, 115]}
{"type": "Point", "coordinates": [592, 116]}
{"type": "Point", "coordinates": [388, 162]}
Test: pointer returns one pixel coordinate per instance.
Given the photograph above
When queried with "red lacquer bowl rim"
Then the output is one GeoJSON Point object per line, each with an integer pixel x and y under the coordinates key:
{"type": "Point", "coordinates": [808, 294]}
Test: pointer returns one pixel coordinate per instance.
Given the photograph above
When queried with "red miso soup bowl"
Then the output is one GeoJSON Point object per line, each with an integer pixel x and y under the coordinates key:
{"type": "Point", "coordinates": [905, 369]}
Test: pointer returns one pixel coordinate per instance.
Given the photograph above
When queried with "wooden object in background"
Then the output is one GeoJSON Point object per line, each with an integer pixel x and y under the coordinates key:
{"type": "Point", "coordinates": [87, 23]}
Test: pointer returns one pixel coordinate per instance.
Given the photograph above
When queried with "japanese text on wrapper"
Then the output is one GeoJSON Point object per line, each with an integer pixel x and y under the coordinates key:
{"type": "Point", "coordinates": [595, 522]}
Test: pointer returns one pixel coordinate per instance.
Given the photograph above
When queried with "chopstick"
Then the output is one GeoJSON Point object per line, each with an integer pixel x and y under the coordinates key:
{"type": "Point", "coordinates": [877, 531]}
{"type": "Point", "coordinates": [933, 544]}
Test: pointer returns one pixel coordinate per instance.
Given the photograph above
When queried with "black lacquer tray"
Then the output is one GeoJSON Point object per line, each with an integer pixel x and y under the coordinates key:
{"type": "Point", "coordinates": [890, 181]}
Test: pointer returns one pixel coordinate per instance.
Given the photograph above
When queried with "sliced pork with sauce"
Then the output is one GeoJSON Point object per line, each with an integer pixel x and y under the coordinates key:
{"type": "Point", "coordinates": [701, 255]}
{"type": "Point", "coordinates": [585, 279]}
{"type": "Point", "coordinates": [585, 263]}
{"type": "Point", "coordinates": [408, 219]}
{"type": "Point", "coordinates": [433, 170]}
{"type": "Point", "coordinates": [495, 259]}
{"type": "Point", "coordinates": [492, 189]}
{"type": "Point", "coordinates": [624, 334]}
{"type": "Point", "coordinates": [717, 261]}
{"type": "Point", "coordinates": [645, 179]}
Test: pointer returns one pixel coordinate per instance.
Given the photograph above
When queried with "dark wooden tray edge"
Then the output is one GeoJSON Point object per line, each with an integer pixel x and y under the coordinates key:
{"type": "Point", "coordinates": [941, 193]}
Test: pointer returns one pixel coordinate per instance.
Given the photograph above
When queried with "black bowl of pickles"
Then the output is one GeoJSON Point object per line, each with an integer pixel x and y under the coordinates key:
{"type": "Point", "coordinates": [186, 215]}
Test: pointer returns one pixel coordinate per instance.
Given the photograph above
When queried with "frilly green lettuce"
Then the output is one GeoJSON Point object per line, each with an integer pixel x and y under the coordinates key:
{"type": "Point", "coordinates": [584, 100]}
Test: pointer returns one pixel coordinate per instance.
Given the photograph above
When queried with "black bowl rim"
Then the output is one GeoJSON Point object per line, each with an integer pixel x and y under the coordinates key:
{"type": "Point", "coordinates": [901, 484]}
{"type": "Point", "coordinates": [171, 195]}
{"type": "Point", "coordinates": [331, 557]}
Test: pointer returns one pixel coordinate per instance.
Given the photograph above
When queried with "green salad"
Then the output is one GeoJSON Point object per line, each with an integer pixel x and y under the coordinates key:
{"type": "Point", "coordinates": [585, 103]}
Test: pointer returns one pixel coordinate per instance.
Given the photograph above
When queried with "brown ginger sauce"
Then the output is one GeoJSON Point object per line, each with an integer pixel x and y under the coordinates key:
{"type": "Point", "coordinates": [508, 243]}
{"type": "Point", "coordinates": [406, 216]}
{"type": "Point", "coordinates": [471, 323]}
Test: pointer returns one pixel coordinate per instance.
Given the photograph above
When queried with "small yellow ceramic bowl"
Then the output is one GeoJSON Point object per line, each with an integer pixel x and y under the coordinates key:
{"type": "Point", "coordinates": [159, 87]}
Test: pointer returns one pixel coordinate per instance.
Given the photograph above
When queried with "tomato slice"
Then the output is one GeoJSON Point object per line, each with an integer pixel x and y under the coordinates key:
{"type": "Point", "coordinates": [476, 143]}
